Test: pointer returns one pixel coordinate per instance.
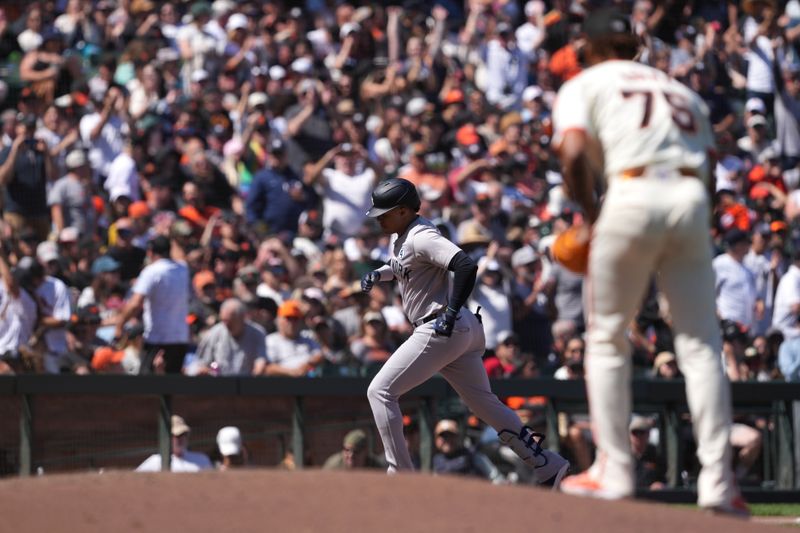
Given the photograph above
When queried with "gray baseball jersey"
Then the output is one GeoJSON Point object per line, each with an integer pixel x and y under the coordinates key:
{"type": "Point", "coordinates": [419, 262]}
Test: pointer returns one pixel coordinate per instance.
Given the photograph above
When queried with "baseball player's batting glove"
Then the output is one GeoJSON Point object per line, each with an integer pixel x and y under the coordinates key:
{"type": "Point", "coordinates": [368, 280]}
{"type": "Point", "coordinates": [444, 323]}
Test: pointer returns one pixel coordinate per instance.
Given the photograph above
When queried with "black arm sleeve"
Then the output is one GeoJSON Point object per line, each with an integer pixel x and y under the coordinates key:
{"type": "Point", "coordinates": [465, 271]}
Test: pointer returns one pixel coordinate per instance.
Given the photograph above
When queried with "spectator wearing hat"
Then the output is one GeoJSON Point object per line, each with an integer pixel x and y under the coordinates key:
{"type": "Point", "coordinates": [182, 459]}
{"type": "Point", "coordinates": [508, 358]}
{"type": "Point", "coordinates": [491, 294]}
{"type": "Point", "coordinates": [277, 196]}
{"type": "Point", "coordinates": [650, 467]}
{"type": "Point", "coordinates": [231, 452]}
{"type": "Point", "coordinates": [484, 221]}
{"type": "Point", "coordinates": [162, 289]}
{"type": "Point", "coordinates": [354, 454]}
{"type": "Point", "coordinates": [530, 308]}
{"type": "Point", "coordinates": [507, 68]}
{"type": "Point", "coordinates": [122, 249]}
{"type": "Point", "coordinates": [665, 366]}
{"type": "Point", "coordinates": [53, 308]}
{"type": "Point", "coordinates": [345, 189]}
{"type": "Point", "coordinates": [429, 182]}
{"type": "Point", "coordinates": [291, 351]}
{"type": "Point", "coordinates": [70, 197]}
{"type": "Point", "coordinates": [375, 345]}
{"type": "Point", "coordinates": [308, 127]}
{"type": "Point", "coordinates": [737, 297]}
{"type": "Point", "coordinates": [757, 139]}
{"type": "Point", "coordinates": [453, 457]}
{"type": "Point", "coordinates": [82, 339]}
{"type": "Point", "coordinates": [235, 346]}
{"type": "Point", "coordinates": [104, 131]}
{"type": "Point", "coordinates": [196, 45]}
{"type": "Point", "coordinates": [25, 170]}
{"type": "Point", "coordinates": [103, 288]}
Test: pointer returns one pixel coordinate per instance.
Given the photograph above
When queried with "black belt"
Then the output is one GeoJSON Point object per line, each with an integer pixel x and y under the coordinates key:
{"type": "Point", "coordinates": [426, 319]}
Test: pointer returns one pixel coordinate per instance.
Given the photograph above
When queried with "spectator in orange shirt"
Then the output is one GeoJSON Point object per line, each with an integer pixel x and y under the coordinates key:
{"type": "Point", "coordinates": [418, 173]}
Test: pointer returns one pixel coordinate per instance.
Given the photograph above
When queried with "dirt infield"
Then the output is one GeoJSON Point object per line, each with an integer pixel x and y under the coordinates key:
{"type": "Point", "coordinates": [316, 501]}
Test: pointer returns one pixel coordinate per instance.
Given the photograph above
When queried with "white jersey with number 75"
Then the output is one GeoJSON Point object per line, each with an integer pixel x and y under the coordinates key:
{"type": "Point", "coordinates": [641, 116]}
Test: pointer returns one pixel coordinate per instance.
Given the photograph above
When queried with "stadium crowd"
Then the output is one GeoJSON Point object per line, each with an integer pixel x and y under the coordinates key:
{"type": "Point", "coordinates": [207, 167]}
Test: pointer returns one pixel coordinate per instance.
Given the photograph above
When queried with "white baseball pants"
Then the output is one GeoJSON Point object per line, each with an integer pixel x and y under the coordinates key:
{"type": "Point", "coordinates": [658, 225]}
{"type": "Point", "coordinates": [459, 359]}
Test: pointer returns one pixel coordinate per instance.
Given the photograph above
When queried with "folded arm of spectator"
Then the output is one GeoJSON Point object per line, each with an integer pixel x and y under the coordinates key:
{"type": "Point", "coordinates": [132, 308]}
{"type": "Point", "coordinates": [27, 72]}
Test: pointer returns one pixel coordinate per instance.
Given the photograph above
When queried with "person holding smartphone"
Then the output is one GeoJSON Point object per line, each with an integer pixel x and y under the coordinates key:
{"type": "Point", "coordinates": [25, 167]}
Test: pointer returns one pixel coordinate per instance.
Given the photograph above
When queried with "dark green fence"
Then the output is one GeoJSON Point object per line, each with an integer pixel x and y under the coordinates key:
{"type": "Point", "coordinates": [774, 401]}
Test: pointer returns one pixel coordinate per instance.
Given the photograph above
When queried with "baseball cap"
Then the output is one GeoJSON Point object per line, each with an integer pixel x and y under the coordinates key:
{"type": "Point", "coordinates": [446, 426]}
{"type": "Point", "coordinates": [105, 357]}
{"type": "Point", "coordinates": [277, 72]}
{"type": "Point", "coordinates": [373, 316]}
{"type": "Point", "coordinates": [736, 236]}
{"type": "Point", "coordinates": [756, 120]}
{"type": "Point", "coordinates": [229, 441]}
{"type": "Point", "coordinates": [199, 75]}
{"type": "Point", "coordinates": [531, 93]}
{"type": "Point", "coordinates": [755, 105]}
{"type": "Point", "coordinates": [606, 21]}
{"type": "Point", "coordinates": [203, 279]}
{"type": "Point", "coordinates": [453, 96]}
{"type": "Point", "coordinates": [75, 159]}
{"type": "Point", "coordinates": [138, 209]}
{"type": "Point", "coordinates": [69, 234]}
{"type": "Point", "coordinates": [237, 21]}
{"type": "Point", "coordinates": [105, 263]}
{"type": "Point", "coordinates": [467, 135]}
{"type": "Point", "coordinates": [47, 251]}
{"type": "Point", "coordinates": [507, 336]}
{"type": "Point", "coordinates": [355, 440]}
{"type": "Point", "coordinates": [523, 256]}
{"type": "Point", "coordinates": [178, 426]}
{"type": "Point", "coordinates": [257, 99]}
{"type": "Point", "coordinates": [416, 106]}
{"type": "Point", "coordinates": [662, 359]}
{"type": "Point", "coordinates": [290, 309]}
{"type": "Point", "coordinates": [302, 65]}
{"type": "Point", "coordinates": [640, 423]}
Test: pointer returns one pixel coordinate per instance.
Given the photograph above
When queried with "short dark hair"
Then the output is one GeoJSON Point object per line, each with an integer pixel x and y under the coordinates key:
{"type": "Point", "coordinates": [160, 246]}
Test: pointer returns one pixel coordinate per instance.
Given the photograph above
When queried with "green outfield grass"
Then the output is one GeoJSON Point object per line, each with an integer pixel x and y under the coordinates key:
{"type": "Point", "coordinates": [775, 509]}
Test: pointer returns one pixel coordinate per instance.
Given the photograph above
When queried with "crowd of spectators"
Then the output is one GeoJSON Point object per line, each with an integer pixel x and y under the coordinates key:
{"type": "Point", "coordinates": [185, 183]}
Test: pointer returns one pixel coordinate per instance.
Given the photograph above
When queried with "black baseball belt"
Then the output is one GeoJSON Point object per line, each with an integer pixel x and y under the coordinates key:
{"type": "Point", "coordinates": [428, 318]}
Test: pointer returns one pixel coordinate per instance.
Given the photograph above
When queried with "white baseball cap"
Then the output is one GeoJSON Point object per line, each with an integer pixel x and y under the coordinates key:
{"type": "Point", "coordinates": [523, 256]}
{"type": "Point", "coordinates": [534, 7]}
{"type": "Point", "coordinates": [199, 75]}
{"type": "Point", "coordinates": [416, 106]}
{"type": "Point", "coordinates": [302, 65]}
{"type": "Point", "coordinates": [229, 441]}
{"type": "Point", "coordinates": [277, 72]}
{"type": "Point", "coordinates": [755, 105]}
{"type": "Point", "coordinates": [75, 159]}
{"type": "Point", "coordinates": [237, 21]}
{"type": "Point", "coordinates": [531, 93]}
{"type": "Point", "coordinates": [47, 251]}
{"type": "Point", "coordinates": [257, 99]}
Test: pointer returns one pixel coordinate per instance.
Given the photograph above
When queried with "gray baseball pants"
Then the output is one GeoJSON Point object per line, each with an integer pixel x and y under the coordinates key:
{"type": "Point", "coordinates": [459, 360]}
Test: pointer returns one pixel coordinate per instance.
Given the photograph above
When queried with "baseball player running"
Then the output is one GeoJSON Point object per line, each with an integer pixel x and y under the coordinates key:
{"type": "Point", "coordinates": [649, 136]}
{"type": "Point", "coordinates": [447, 337]}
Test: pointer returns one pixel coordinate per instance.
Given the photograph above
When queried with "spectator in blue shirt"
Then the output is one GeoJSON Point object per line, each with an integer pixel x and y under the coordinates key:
{"type": "Point", "coordinates": [278, 196]}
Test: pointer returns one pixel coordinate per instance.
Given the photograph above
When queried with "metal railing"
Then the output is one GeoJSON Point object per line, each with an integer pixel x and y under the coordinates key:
{"type": "Point", "coordinates": [665, 398]}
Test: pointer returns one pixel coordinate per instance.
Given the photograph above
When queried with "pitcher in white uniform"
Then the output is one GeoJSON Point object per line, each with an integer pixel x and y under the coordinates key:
{"type": "Point", "coordinates": [447, 337]}
{"type": "Point", "coordinates": [649, 137]}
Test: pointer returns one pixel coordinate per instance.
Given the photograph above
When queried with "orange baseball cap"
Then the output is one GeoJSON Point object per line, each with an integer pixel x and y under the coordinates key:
{"type": "Point", "coordinates": [757, 174]}
{"type": "Point", "coordinates": [290, 309]}
{"type": "Point", "coordinates": [467, 135]}
{"type": "Point", "coordinates": [453, 96]}
{"type": "Point", "coordinates": [138, 210]}
{"type": "Point", "coordinates": [105, 357]}
{"type": "Point", "coordinates": [778, 225]}
{"type": "Point", "coordinates": [203, 278]}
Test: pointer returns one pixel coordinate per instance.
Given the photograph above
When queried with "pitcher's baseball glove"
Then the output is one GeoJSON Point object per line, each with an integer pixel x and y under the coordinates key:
{"type": "Point", "coordinates": [571, 249]}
